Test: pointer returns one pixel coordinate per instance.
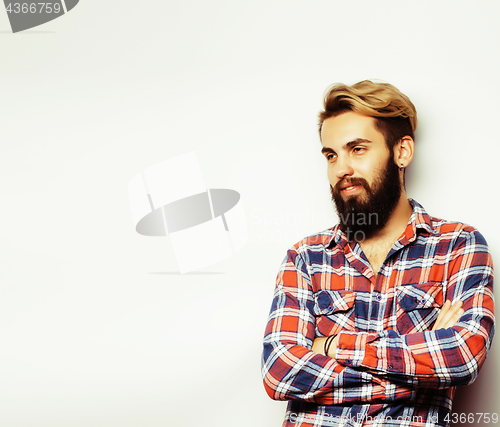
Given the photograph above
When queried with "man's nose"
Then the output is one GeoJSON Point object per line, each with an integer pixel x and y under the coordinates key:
{"type": "Point", "coordinates": [343, 167]}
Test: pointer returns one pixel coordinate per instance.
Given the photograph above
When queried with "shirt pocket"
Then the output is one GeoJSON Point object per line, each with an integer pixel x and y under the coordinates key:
{"type": "Point", "coordinates": [418, 306]}
{"type": "Point", "coordinates": [334, 311]}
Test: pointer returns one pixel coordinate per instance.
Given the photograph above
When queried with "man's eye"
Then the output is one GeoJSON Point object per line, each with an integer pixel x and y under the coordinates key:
{"type": "Point", "coordinates": [330, 157]}
{"type": "Point", "coordinates": [358, 149]}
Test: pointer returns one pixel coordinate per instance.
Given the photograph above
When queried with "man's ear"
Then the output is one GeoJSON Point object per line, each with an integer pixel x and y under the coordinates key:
{"type": "Point", "coordinates": [403, 151]}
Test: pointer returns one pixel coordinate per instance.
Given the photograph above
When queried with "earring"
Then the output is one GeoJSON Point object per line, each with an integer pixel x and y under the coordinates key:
{"type": "Point", "coordinates": [402, 166]}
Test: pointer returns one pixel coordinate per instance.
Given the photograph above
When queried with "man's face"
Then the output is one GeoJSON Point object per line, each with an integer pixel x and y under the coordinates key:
{"type": "Point", "coordinates": [364, 178]}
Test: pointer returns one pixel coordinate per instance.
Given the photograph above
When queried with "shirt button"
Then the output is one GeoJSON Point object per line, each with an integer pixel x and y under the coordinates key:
{"type": "Point", "coordinates": [348, 361]}
{"type": "Point", "coordinates": [379, 297]}
{"type": "Point", "coordinates": [389, 367]}
{"type": "Point", "coordinates": [329, 309]}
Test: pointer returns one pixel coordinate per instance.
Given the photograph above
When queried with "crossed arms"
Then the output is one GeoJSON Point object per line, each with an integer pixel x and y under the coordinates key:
{"type": "Point", "coordinates": [448, 317]}
{"type": "Point", "coordinates": [385, 366]}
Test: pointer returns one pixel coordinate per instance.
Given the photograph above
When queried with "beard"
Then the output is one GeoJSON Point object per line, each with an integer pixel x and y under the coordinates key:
{"type": "Point", "coordinates": [361, 216]}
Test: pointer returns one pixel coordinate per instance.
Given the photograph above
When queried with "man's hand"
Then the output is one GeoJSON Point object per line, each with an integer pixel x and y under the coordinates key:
{"type": "Point", "coordinates": [449, 315]}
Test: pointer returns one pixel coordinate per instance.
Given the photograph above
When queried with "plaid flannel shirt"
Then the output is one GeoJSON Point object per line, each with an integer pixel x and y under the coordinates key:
{"type": "Point", "coordinates": [390, 368]}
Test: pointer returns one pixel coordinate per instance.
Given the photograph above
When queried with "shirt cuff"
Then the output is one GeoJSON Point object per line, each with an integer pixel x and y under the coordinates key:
{"type": "Point", "coordinates": [352, 348]}
{"type": "Point", "coordinates": [358, 349]}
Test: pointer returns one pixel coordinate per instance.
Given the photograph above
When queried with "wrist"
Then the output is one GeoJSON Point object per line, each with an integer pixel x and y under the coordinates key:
{"type": "Point", "coordinates": [332, 347]}
{"type": "Point", "coordinates": [328, 344]}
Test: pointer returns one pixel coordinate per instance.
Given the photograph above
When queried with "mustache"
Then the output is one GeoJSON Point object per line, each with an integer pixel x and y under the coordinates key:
{"type": "Point", "coordinates": [350, 181]}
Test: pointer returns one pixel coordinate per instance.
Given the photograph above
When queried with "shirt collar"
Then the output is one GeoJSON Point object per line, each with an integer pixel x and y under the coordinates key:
{"type": "Point", "coordinates": [420, 221]}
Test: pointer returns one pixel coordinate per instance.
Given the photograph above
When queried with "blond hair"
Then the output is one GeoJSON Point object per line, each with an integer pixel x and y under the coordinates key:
{"type": "Point", "coordinates": [395, 114]}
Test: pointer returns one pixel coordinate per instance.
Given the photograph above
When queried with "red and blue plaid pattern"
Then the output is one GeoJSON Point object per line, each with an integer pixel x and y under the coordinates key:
{"type": "Point", "coordinates": [390, 367]}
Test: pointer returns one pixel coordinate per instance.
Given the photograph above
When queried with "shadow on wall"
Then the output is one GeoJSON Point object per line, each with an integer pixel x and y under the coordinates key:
{"type": "Point", "coordinates": [482, 397]}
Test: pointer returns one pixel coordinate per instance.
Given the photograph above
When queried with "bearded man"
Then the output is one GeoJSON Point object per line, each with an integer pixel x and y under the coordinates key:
{"type": "Point", "coordinates": [378, 319]}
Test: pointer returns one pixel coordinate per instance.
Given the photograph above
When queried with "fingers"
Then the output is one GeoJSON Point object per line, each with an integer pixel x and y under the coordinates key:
{"type": "Point", "coordinates": [455, 317]}
{"type": "Point", "coordinates": [453, 314]}
{"type": "Point", "coordinates": [448, 315]}
{"type": "Point", "coordinates": [442, 312]}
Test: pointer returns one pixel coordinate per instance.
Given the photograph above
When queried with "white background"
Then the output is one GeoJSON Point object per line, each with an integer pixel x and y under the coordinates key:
{"type": "Point", "coordinates": [96, 327]}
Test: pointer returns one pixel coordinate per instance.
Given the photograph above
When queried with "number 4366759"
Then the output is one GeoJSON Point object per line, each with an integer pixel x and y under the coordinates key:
{"type": "Point", "coordinates": [33, 7]}
{"type": "Point", "coordinates": [472, 418]}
